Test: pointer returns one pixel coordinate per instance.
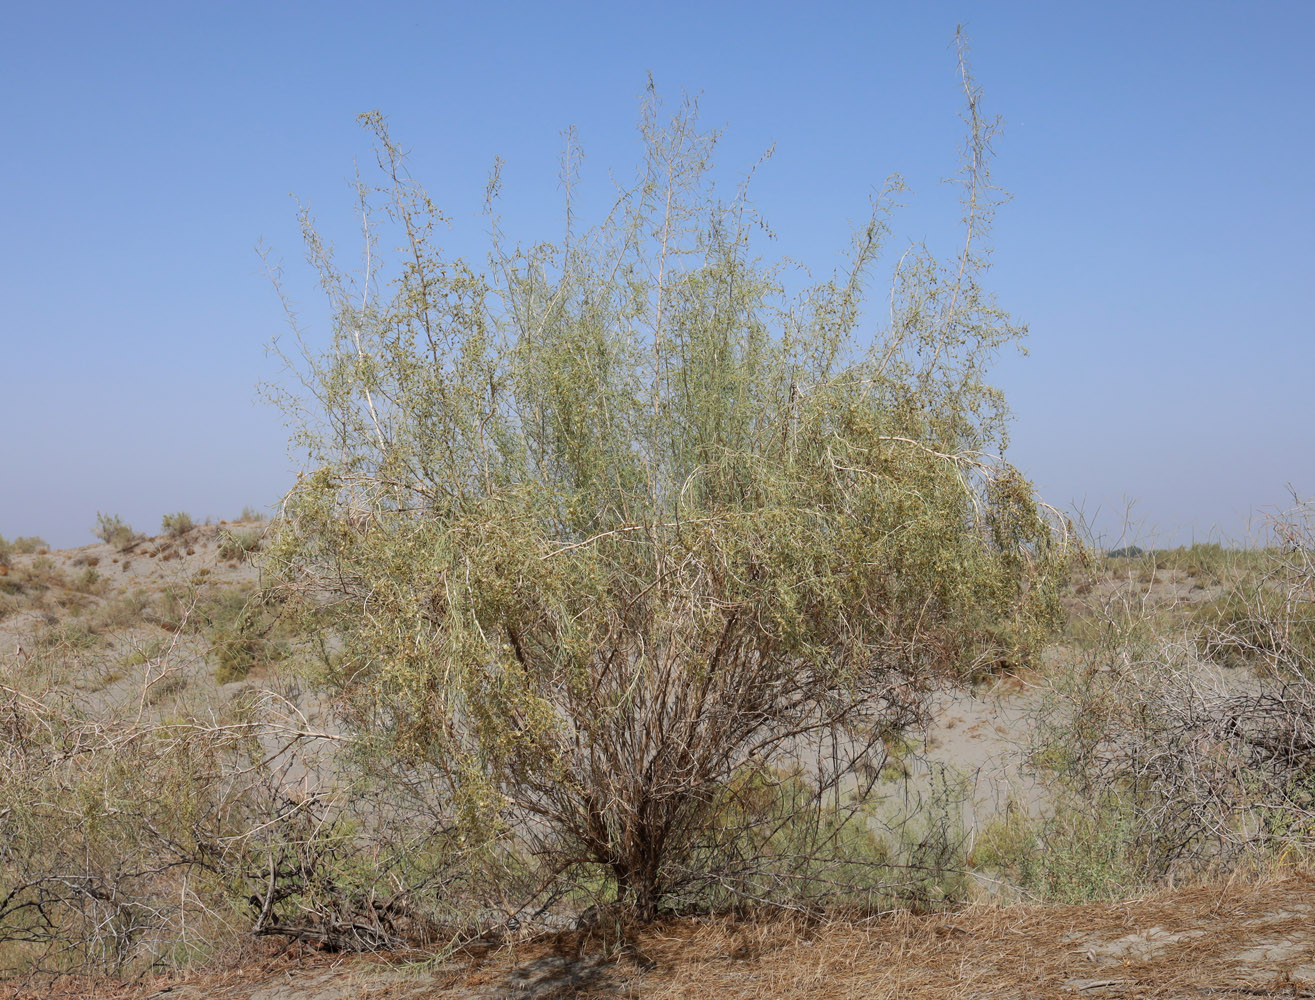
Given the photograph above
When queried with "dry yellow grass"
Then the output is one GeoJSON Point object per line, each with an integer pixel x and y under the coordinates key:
{"type": "Point", "coordinates": [1233, 939]}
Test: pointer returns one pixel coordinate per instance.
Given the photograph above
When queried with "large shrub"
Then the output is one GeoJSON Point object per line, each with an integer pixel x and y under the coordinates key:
{"type": "Point", "coordinates": [617, 523]}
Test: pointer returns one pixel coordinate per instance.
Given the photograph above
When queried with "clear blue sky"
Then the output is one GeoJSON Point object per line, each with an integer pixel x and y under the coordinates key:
{"type": "Point", "coordinates": [1159, 243]}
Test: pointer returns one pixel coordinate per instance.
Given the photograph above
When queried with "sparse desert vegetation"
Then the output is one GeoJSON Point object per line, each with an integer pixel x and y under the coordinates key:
{"type": "Point", "coordinates": [177, 524]}
{"type": "Point", "coordinates": [169, 733]}
{"type": "Point", "coordinates": [644, 627]}
{"type": "Point", "coordinates": [113, 530]}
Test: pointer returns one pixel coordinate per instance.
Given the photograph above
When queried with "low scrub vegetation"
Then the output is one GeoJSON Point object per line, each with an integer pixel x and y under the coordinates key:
{"type": "Point", "coordinates": [113, 530]}
{"type": "Point", "coordinates": [1167, 760]}
{"type": "Point", "coordinates": [178, 524]}
{"type": "Point", "coordinates": [127, 844]}
{"type": "Point", "coordinates": [21, 546]}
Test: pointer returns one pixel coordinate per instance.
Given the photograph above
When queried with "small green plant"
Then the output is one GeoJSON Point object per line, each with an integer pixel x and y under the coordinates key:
{"type": "Point", "coordinates": [88, 581]}
{"type": "Point", "coordinates": [113, 530]}
{"type": "Point", "coordinates": [151, 649]}
{"type": "Point", "coordinates": [177, 524]}
{"type": "Point", "coordinates": [1073, 855]}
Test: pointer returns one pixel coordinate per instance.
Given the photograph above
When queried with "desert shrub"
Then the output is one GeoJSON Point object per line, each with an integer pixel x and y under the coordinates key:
{"type": "Point", "coordinates": [113, 530]}
{"type": "Point", "coordinates": [250, 513]}
{"type": "Point", "coordinates": [1204, 772]}
{"type": "Point", "coordinates": [1265, 618]}
{"type": "Point", "coordinates": [128, 845]}
{"type": "Point", "coordinates": [1070, 855]}
{"type": "Point", "coordinates": [121, 611]}
{"type": "Point", "coordinates": [87, 581]}
{"type": "Point", "coordinates": [239, 544]}
{"type": "Point", "coordinates": [22, 546]}
{"type": "Point", "coordinates": [145, 652]}
{"type": "Point", "coordinates": [610, 527]}
{"type": "Point", "coordinates": [178, 524]}
{"type": "Point", "coordinates": [69, 635]}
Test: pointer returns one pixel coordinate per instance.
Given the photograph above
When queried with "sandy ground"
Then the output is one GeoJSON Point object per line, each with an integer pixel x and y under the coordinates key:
{"type": "Point", "coordinates": [102, 675]}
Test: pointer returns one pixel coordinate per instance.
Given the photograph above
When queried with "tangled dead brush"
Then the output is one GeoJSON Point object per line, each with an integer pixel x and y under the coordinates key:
{"type": "Point", "coordinates": [1190, 762]}
{"type": "Point", "coordinates": [127, 842]}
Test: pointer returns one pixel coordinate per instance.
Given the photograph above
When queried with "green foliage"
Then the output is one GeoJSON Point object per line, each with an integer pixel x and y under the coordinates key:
{"type": "Point", "coordinates": [611, 520]}
{"type": "Point", "coordinates": [151, 649]}
{"type": "Point", "coordinates": [178, 524]}
{"type": "Point", "coordinates": [113, 530]}
{"type": "Point", "coordinates": [1073, 855]}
